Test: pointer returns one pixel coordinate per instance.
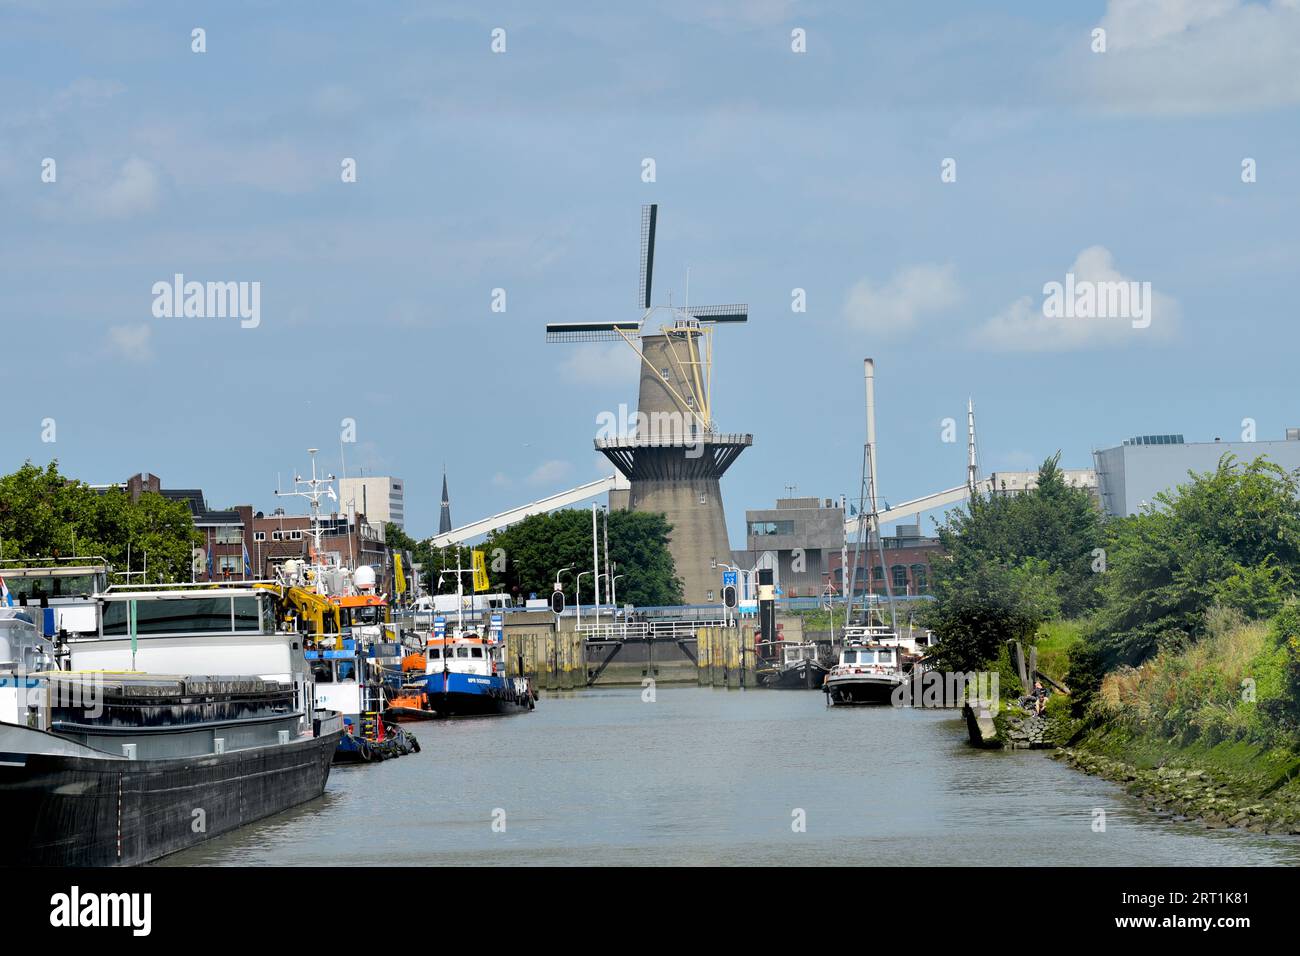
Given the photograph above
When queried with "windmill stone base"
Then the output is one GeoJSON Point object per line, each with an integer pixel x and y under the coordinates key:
{"type": "Point", "coordinates": [680, 479]}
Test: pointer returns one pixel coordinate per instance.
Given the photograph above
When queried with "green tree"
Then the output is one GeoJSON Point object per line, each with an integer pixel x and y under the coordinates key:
{"type": "Point", "coordinates": [535, 548]}
{"type": "Point", "coordinates": [44, 515]}
{"type": "Point", "coordinates": [1053, 525]}
{"type": "Point", "coordinates": [977, 612]}
{"type": "Point", "coordinates": [1010, 563]}
{"type": "Point", "coordinates": [1229, 537]}
{"type": "Point", "coordinates": [523, 558]}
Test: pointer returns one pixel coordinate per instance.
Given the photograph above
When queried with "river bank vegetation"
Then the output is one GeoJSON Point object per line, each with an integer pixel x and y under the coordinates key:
{"type": "Point", "coordinates": [1176, 631]}
{"type": "Point", "coordinates": [524, 558]}
{"type": "Point", "coordinates": [45, 515]}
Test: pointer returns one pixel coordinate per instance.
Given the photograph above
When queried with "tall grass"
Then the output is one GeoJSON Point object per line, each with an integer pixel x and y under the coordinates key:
{"type": "Point", "coordinates": [1209, 691]}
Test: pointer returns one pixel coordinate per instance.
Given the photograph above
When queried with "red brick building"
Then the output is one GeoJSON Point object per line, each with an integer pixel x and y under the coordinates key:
{"type": "Point", "coordinates": [907, 562]}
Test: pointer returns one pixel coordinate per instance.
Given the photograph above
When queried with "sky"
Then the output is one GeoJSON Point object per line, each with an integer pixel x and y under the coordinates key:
{"type": "Point", "coordinates": [829, 170]}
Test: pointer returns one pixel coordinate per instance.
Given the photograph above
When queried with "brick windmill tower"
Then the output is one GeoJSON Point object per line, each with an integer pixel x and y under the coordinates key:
{"type": "Point", "coordinates": [675, 456]}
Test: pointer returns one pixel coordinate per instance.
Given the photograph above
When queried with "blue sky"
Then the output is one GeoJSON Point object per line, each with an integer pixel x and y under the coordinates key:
{"type": "Point", "coordinates": [522, 170]}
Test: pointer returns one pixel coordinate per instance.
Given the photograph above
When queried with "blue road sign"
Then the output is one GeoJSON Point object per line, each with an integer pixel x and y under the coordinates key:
{"type": "Point", "coordinates": [729, 578]}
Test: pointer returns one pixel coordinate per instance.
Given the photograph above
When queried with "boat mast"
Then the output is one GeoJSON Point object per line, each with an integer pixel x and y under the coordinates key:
{"type": "Point", "coordinates": [316, 488]}
{"type": "Point", "coordinates": [972, 466]}
{"type": "Point", "coordinates": [869, 372]}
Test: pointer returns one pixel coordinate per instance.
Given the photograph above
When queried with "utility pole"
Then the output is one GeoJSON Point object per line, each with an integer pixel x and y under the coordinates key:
{"type": "Point", "coordinates": [609, 572]}
{"type": "Point", "coordinates": [595, 560]}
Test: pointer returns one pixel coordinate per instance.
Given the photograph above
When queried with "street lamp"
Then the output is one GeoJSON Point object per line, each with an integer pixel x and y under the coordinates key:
{"type": "Point", "coordinates": [557, 579]}
{"type": "Point", "coordinates": [577, 595]}
{"type": "Point", "coordinates": [598, 577]}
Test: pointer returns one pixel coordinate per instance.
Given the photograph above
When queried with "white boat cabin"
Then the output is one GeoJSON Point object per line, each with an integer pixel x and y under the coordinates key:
{"type": "Point", "coordinates": [869, 658]}
{"type": "Point", "coordinates": [467, 654]}
{"type": "Point", "coordinates": [795, 653]}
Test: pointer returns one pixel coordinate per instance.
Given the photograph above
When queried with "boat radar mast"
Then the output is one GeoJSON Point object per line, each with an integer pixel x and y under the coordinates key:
{"type": "Point", "coordinates": [313, 489]}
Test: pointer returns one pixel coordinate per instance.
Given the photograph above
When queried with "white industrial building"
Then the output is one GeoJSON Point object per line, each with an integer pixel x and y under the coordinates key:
{"type": "Point", "coordinates": [1130, 475]}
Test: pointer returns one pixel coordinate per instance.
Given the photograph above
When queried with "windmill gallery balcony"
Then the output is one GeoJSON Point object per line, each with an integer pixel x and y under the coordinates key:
{"type": "Point", "coordinates": [674, 457]}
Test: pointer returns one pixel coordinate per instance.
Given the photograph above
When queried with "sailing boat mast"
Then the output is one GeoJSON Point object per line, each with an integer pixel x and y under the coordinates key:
{"type": "Point", "coordinates": [869, 373]}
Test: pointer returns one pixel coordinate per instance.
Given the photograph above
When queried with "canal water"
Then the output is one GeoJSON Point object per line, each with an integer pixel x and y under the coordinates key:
{"type": "Point", "coordinates": [702, 776]}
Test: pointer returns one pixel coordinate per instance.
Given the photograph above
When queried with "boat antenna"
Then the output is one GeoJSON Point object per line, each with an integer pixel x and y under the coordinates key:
{"type": "Point", "coordinates": [313, 489]}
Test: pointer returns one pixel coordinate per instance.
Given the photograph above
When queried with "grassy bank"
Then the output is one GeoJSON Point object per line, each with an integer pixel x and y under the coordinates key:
{"type": "Point", "coordinates": [1197, 732]}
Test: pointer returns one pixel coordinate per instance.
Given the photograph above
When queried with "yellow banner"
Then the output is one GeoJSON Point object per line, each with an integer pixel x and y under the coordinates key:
{"type": "Point", "coordinates": [397, 573]}
{"type": "Point", "coordinates": [481, 582]}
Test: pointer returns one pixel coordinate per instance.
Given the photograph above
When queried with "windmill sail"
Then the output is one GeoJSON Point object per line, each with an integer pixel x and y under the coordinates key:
{"type": "Point", "coordinates": [590, 331]}
{"type": "Point", "coordinates": [649, 217]}
{"type": "Point", "coordinates": [718, 313]}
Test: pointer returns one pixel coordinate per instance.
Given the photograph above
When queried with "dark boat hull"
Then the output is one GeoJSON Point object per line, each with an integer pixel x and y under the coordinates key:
{"type": "Point", "coordinates": [454, 694]}
{"type": "Point", "coordinates": [861, 691]}
{"type": "Point", "coordinates": [807, 675]}
{"type": "Point", "coordinates": [454, 704]}
{"type": "Point", "coordinates": [85, 811]}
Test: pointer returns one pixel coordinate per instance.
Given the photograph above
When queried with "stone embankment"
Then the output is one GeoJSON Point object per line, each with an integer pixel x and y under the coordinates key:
{"type": "Point", "coordinates": [1192, 794]}
{"type": "Point", "coordinates": [1013, 729]}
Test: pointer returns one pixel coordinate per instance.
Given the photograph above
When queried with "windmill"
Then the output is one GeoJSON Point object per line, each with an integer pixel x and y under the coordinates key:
{"type": "Point", "coordinates": [675, 458]}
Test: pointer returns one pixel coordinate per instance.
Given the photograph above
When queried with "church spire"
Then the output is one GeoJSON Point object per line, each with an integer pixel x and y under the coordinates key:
{"type": "Point", "coordinates": [444, 521]}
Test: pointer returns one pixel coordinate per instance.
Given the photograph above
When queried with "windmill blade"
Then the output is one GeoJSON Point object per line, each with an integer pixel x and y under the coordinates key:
{"type": "Point", "coordinates": [590, 331]}
{"type": "Point", "coordinates": [649, 216]}
{"type": "Point", "coordinates": [719, 313]}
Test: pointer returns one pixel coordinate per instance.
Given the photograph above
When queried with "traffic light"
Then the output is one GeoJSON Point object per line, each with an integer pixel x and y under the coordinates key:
{"type": "Point", "coordinates": [729, 595]}
{"type": "Point", "coordinates": [557, 602]}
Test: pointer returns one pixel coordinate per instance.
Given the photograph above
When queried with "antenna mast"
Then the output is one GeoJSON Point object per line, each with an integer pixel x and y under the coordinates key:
{"type": "Point", "coordinates": [316, 488]}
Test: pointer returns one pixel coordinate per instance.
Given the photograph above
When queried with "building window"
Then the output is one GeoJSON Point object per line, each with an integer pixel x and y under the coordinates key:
{"type": "Point", "coordinates": [762, 528]}
{"type": "Point", "coordinates": [899, 573]}
{"type": "Point", "coordinates": [878, 573]}
{"type": "Point", "coordinates": [259, 535]}
{"type": "Point", "coordinates": [295, 535]}
{"type": "Point", "coordinates": [920, 579]}
{"type": "Point", "coordinates": [229, 534]}
{"type": "Point", "coordinates": [710, 597]}
{"type": "Point", "coordinates": [275, 536]}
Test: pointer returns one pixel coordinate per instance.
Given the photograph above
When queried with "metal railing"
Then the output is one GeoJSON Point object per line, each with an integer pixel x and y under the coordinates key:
{"type": "Point", "coordinates": [645, 630]}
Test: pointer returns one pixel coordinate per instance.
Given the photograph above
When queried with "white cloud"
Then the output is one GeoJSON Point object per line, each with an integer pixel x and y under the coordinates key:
{"type": "Point", "coordinates": [132, 343]}
{"type": "Point", "coordinates": [549, 472]}
{"type": "Point", "coordinates": [1023, 326]}
{"type": "Point", "coordinates": [895, 306]}
{"type": "Point", "coordinates": [133, 190]}
{"type": "Point", "coordinates": [1192, 56]}
{"type": "Point", "coordinates": [601, 363]}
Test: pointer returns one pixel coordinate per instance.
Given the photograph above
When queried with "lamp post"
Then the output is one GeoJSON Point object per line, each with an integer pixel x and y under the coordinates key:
{"type": "Point", "coordinates": [598, 577]}
{"type": "Point", "coordinates": [557, 576]}
{"type": "Point", "coordinates": [577, 595]}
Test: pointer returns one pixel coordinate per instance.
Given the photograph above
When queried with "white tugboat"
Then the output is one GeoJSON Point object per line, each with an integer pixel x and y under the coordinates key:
{"type": "Point", "coordinates": [865, 674]}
